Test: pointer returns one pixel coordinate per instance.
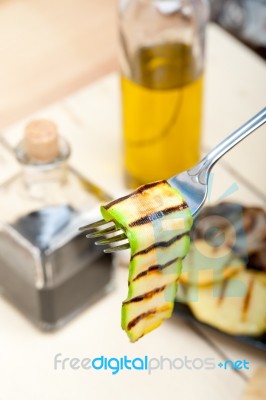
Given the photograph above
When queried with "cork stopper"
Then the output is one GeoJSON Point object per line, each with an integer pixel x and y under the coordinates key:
{"type": "Point", "coordinates": [41, 140]}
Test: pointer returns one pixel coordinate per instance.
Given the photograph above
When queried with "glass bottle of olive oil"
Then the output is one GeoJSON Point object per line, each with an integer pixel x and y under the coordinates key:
{"type": "Point", "coordinates": [162, 48]}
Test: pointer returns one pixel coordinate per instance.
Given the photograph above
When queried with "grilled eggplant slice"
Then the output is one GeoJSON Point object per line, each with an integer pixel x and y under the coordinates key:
{"type": "Point", "coordinates": [156, 221]}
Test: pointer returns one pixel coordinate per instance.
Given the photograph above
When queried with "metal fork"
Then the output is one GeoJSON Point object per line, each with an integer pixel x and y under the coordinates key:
{"type": "Point", "coordinates": [193, 184]}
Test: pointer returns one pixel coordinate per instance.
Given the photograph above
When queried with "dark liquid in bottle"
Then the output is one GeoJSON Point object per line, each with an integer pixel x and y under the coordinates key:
{"type": "Point", "coordinates": [47, 279]}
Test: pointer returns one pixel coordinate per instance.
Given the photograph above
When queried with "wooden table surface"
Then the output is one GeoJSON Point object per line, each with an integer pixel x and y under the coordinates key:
{"type": "Point", "coordinates": [89, 118]}
{"type": "Point", "coordinates": [50, 49]}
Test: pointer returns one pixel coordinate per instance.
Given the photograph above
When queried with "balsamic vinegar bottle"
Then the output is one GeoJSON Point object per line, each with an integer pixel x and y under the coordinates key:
{"type": "Point", "coordinates": [47, 269]}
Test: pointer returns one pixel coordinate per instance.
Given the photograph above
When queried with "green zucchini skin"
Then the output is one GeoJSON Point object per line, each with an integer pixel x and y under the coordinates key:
{"type": "Point", "coordinates": [157, 221]}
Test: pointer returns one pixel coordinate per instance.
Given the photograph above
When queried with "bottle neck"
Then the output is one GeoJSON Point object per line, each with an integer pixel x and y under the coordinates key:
{"type": "Point", "coordinates": [43, 180]}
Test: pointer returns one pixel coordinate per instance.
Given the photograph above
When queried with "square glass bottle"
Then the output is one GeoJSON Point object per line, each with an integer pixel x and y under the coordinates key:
{"type": "Point", "coordinates": [47, 268]}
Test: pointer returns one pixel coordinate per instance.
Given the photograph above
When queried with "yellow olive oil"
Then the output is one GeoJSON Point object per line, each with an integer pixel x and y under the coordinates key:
{"type": "Point", "coordinates": [161, 107]}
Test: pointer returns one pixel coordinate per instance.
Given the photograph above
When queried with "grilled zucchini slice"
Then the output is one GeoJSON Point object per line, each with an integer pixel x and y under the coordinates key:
{"type": "Point", "coordinates": [235, 305]}
{"type": "Point", "coordinates": [157, 221]}
{"type": "Point", "coordinates": [206, 265]}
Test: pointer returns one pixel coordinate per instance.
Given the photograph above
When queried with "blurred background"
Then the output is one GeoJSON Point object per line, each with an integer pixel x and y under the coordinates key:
{"type": "Point", "coordinates": [59, 47]}
{"type": "Point", "coordinates": [59, 61]}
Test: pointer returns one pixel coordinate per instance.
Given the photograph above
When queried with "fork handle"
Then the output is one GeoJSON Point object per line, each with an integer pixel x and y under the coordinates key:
{"type": "Point", "coordinates": [203, 168]}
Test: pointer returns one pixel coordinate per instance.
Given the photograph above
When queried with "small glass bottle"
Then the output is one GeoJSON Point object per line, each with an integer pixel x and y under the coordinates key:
{"type": "Point", "coordinates": [162, 54]}
{"type": "Point", "coordinates": [47, 268]}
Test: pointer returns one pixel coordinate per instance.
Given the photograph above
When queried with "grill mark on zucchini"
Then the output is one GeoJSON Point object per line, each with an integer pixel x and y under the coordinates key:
{"type": "Point", "coordinates": [160, 244]}
{"type": "Point", "coordinates": [145, 296]}
{"type": "Point", "coordinates": [146, 314]}
{"type": "Point", "coordinates": [158, 267]}
{"type": "Point", "coordinates": [222, 292]}
{"type": "Point", "coordinates": [247, 298]}
{"type": "Point", "coordinates": [138, 191]}
{"type": "Point", "coordinates": [158, 214]}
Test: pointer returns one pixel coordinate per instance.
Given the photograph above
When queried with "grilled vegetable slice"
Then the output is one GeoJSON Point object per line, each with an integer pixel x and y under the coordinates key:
{"type": "Point", "coordinates": [206, 264]}
{"type": "Point", "coordinates": [235, 305]}
{"type": "Point", "coordinates": [157, 221]}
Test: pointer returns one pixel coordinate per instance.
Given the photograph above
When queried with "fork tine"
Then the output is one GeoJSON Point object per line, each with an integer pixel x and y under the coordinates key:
{"type": "Point", "coordinates": [94, 225]}
{"type": "Point", "coordinates": [112, 239]}
{"type": "Point", "coordinates": [102, 232]}
{"type": "Point", "coordinates": [120, 235]}
{"type": "Point", "coordinates": [117, 248]}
